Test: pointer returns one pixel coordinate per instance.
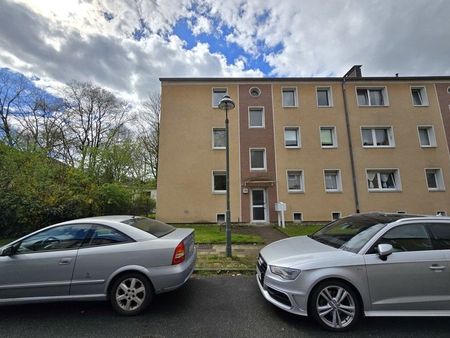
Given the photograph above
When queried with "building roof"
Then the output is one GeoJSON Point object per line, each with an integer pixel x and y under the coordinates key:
{"type": "Point", "coordinates": [305, 79]}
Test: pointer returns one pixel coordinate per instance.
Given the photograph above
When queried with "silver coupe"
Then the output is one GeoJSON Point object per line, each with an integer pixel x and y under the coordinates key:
{"type": "Point", "coordinates": [125, 259]}
{"type": "Point", "coordinates": [367, 264]}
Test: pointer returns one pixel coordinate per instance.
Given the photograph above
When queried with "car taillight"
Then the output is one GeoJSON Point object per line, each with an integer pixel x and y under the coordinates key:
{"type": "Point", "coordinates": [178, 255]}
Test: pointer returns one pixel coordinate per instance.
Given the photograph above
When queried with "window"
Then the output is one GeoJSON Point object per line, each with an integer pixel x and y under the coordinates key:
{"type": "Point", "coordinates": [435, 181]}
{"type": "Point", "coordinates": [419, 96]}
{"type": "Point", "coordinates": [219, 138]}
{"type": "Point", "coordinates": [332, 180]}
{"type": "Point", "coordinates": [410, 237]}
{"type": "Point", "coordinates": [328, 137]}
{"type": "Point", "coordinates": [371, 96]}
{"type": "Point", "coordinates": [441, 213]}
{"type": "Point", "coordinates": [427, 137]}
{"type": "Point", "coordinates": [297, 217]}
{"type": "Point", "coordinates": [104, 235]}
{"type": "Point", "coordinates": [220, 218]}
{"type": "Point", "coordinates": [324, 97]}
{"type": "Point", "coordinates": [255, 91]}
{"type": "Point", "coordinates": [383, 180]}
{"type": "Point", "coordinates": [377, 137]}
{"type": "Point", "coordinates": [295, 181]}
{"type": "Point", "coordinates": [289, 97]}
{"type": "Point", "coordinates": [440, 235]}
{"type": "Point", "coordinates": [65, 237]}
{"type": "Point", "coordinates": [256, 118]}
{"type": "Point", "coordinates": [335, 216]}
{"type": "Point", "coordinates": [257, 159]}
{"type": "Point", "coordinates": [218, 94]}
{"type": "Point", "coordinates": [292, 137]}
{"type": "Point", "coordinates": [219, 182]}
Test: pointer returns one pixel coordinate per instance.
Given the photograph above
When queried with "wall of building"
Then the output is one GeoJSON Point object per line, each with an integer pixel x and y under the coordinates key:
{"type": "Point", "coordinates": [187, 158]}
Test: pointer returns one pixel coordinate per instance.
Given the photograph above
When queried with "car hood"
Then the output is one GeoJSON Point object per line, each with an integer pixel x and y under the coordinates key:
{"type": "Point", "coordinates": [295, 251]}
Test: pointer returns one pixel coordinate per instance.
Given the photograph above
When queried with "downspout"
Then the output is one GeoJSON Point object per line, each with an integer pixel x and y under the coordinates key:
{"type": "Point", "coordinates": [350, 146]}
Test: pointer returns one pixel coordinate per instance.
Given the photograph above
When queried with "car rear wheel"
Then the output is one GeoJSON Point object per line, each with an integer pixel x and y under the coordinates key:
{"type": "Point", "coordinates": [130, 294]}
{"type": "Point", "coordinates": [335, 306]}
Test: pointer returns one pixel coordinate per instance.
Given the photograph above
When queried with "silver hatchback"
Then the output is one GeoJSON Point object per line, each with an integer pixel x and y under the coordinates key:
{"type": "Point", "coordinates": [368, 264]}
{"type": "Point", "coordinates": [126, 259]}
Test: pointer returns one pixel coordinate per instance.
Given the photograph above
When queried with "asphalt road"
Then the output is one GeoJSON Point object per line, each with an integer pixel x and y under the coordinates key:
{"type": "Point", "coordinates": [222, 306]}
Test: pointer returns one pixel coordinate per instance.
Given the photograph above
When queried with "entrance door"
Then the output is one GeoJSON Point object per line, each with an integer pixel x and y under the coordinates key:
{"type": "Point", "coordinates": [259, 206]}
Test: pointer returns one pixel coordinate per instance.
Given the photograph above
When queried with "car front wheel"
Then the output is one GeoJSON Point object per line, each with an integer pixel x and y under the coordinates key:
{"type": "Point", "coordinates": [130, 294]}
{"type": "Point", "coordinates": [335, 306]}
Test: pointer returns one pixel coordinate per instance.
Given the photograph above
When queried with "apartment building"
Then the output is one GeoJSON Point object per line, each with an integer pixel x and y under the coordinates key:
{"type": "Point", "coordinates": [327, 147]}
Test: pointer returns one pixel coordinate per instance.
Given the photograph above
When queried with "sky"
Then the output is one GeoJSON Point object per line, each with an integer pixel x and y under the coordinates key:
{"type": "Point", "coordinates": [125, 46]}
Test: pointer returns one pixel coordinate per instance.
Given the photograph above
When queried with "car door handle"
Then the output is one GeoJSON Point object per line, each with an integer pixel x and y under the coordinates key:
{"type": "Point", "coordinates": [436, 267]}
{"type": "Point", "coordinates": [65, 261]}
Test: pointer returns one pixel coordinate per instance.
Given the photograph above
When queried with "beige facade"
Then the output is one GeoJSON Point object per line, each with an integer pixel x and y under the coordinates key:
{"type": "Point", "coordinates": [384, 137]}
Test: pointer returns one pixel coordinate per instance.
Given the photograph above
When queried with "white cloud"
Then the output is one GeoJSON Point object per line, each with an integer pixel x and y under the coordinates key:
{"type": "Point", "coordinates": [63, 40]}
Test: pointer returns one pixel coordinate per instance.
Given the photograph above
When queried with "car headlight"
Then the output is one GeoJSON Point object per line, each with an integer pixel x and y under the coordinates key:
{"type": "Point", "coordinates": [285, 273]}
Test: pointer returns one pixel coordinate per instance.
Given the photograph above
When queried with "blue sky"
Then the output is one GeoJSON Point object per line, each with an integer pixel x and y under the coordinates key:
{"type": "Point", "coordinates": [125, 46]}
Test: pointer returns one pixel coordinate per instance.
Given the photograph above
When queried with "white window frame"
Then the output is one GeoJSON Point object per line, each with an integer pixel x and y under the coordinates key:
{"type": "Point", "coordinates": [213, 174]}
{"type": "Point", "coordinates": [333, 136]}
{"type": "Point", "coordinates": [295, 96]}
{"type": "Point", "coordinates": [423, 94]}
{"type": "Point", "coordinates": [390, 132]}
{"type": "Point", "coordinates": [384, 93]}
{"type": "Point", "coordinates": [431, 136]}
{"type": "Point", "coordinates": [299, 140]}
{"type": "Point", "coordinates": [293, 217]}
{"type": "Point", "coordinates": [439, 179]}
{"type": "Point", "coordinates": [257, 108]}
{"type": "Point", "coordinates": [212, 95]}
{"type": "Point", "coordinates": [302, 181]}
{"type": "Point", "coordinates": [329, 93]}
{"type": "Point", "coordinates": [264, 159]}
{"type": "Point", "coordinates": [336, 212]}
{"type": "Point", "coordinates": [398, 182]}
{"type": "Point", "coordinates": [212, 133]}
{"type": "Point", "coordinates": [338, 180]}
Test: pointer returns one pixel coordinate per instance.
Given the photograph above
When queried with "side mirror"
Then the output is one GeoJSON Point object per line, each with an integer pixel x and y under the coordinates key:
{"type": "Point", "coordinates": [10, 250]}
{"type": "Point", "coordinates": [384, 250]}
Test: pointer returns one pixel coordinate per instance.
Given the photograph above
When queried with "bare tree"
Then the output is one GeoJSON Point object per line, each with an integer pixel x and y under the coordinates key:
{"type": "Point", "coordinates": [12, 88]}
{"type": "Point", "coordinates": [41, 123]}
{"type": "Point", "coordinates": [149, 132]}
{"type": "Point", "coordinates": [91, 120]}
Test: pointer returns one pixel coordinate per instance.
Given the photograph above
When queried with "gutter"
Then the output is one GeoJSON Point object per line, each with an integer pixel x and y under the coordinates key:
{"type": "Point", "coordinates": [350, 145]}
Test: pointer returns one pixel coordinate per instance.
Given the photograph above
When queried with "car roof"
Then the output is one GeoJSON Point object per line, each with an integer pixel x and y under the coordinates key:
{"type": "Point", "coordinates": [113, 218]}
{"type": "Point", "coordinates": [383, 217]}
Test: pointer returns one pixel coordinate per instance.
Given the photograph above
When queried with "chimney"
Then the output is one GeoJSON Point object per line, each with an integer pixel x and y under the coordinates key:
{"type": "Point", "coordinates": [354, 72]}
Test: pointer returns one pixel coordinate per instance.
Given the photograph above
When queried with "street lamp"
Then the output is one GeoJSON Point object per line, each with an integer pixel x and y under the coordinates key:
{"type": "Point", "coordinates": [227, 104]}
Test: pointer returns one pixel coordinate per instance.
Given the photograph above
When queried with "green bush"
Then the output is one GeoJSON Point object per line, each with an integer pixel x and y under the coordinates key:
{"type": "Point", "coordinates": [113, 199]}
{"type": "Point", "coordinates": [142, 205]}
{"type": "Point", "coordinates": [36, 191]}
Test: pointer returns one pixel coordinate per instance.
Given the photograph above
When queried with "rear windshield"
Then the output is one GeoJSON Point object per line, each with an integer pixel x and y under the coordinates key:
{"type": "Point", "coordinates": [154, 227]}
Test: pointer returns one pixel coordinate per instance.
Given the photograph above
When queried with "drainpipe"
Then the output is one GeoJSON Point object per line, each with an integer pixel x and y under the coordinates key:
{"type": "Point", "coordinates": [350, 146]}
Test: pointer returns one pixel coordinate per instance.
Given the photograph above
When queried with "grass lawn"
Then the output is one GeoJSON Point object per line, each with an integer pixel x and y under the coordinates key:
{"type": "Point", "coordinates": [299, 229]}
{"type": "Point", "coordinates": [219, 262]}
{"type": "Point", "coordinates": [213, 234]}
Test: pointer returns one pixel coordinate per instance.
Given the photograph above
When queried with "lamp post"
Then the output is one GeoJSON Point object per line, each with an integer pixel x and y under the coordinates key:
{"type": "Point", "coordinates": [227, 104]}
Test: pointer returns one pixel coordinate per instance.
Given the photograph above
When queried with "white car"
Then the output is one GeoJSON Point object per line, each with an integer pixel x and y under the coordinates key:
{"type": "Point", "coordinates": [367, 264]}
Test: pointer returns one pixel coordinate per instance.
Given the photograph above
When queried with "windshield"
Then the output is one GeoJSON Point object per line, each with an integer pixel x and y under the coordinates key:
{"type": "Point", "coordinates": [154, 227]}
{"type": "Point", "coordinates": [350, 233]}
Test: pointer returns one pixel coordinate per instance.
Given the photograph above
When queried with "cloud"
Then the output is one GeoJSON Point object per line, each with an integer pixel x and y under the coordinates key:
{"type": "Point", "coordinates": [61, 51]}
{"type": "Point", "coordinates": [126, 46]}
